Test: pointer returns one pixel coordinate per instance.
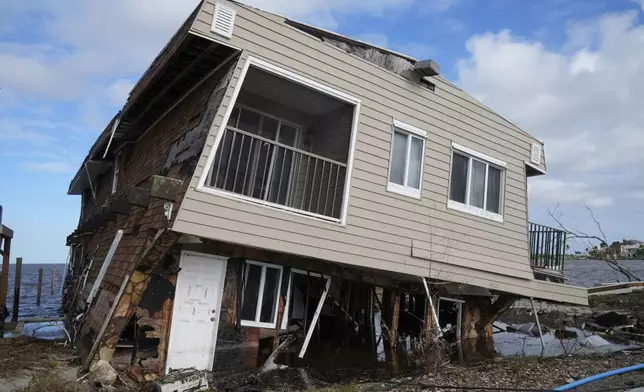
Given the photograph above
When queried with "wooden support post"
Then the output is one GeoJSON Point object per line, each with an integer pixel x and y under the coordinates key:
{"type": "Point", "coordinates": [39, 292]}
{"type": "Point", "coordinates": [4, 277]}
{"type": "Point", "coordinates": [53, 281]}
{"type": "Point", "coordinates": [16, 290]}
{"type": "Point", "coordinates": [395, 314]}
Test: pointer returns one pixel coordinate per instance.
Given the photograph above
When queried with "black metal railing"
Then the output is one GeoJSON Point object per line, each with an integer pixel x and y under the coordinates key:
{"type": "Point", "coordinates": [271, 172]}
{"type": "Point", "coordinates": [547, 247]}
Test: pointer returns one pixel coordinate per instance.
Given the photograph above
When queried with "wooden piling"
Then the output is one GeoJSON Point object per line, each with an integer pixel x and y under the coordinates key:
{"type": "Point", "coordinates": [39, 287]}
{"type": "Point", "coordinates": [4, 277]}
{"type": "Point", "coordinates": [53, 281]}
{"type": "Point", "coordinates": [16, 290]}
{"type": "Point", "coordinates": [395, 316]}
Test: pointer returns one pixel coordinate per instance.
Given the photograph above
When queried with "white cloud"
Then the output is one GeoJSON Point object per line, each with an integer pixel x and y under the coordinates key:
{"type": "Point", "coordinates": [85, 41]}
{"type": "Point", "coordinates": [119, 91]}
{"type": "Point", "coordinates": [583, 101]}
{"type": "Point", "coordinates": [638, 195]}
{"type": "Point", "coordinates": [556, 191]}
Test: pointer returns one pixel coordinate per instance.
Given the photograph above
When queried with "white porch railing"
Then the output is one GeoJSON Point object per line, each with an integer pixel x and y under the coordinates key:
{"type": "Point", "coordinates": [274, 173]}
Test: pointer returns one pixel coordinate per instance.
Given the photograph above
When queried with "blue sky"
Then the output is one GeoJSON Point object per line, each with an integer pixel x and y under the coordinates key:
{"type": "Point", "coordinates": [567, 71]}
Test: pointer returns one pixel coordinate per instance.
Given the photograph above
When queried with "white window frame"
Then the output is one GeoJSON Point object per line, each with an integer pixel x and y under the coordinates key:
{"type": "Point", "coordinates": [411, 132]}
{"type": "Point", "coordinates": [117, 170]}
{"type": "Point", "coordinates": [296, 78]}
{"type": "Point", "coordinates": [260, 297]}
{"type": "Point", "coordinates": [488, 161]}
{"type": "Point", "coordinates": [288, 296]}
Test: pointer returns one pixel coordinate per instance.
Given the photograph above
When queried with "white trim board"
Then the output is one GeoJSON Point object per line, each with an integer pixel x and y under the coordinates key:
{"type": "Point", "coordinates": [479, 155]}
{"type": "Point", "coordinates": [106, 264]}
{"type": "Point", "coordinates": [266, 66]}
{"type": "Point", "coordinates": [481, 213]}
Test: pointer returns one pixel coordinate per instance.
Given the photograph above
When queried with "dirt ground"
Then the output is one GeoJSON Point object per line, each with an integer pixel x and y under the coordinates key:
{"type": "Point", "coordinates": [528, 373]}
{"type": "Point", "coordinates": [25, 361]}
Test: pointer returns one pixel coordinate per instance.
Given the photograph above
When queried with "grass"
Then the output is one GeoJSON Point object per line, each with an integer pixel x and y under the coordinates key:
{"type": "Point", "coordinates": [23, 354]}
{"type": "Point", "coordinates": [50, 382]}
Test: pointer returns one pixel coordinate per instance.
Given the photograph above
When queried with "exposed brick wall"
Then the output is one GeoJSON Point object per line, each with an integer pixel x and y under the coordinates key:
{"type": "Point", "coordinates": [170, 148]}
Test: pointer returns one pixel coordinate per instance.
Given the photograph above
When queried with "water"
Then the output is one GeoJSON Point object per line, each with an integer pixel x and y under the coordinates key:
{"type": "Point", "coordinates": [590, 273]}
{"type": "Point", "coordinates": [49, 304]}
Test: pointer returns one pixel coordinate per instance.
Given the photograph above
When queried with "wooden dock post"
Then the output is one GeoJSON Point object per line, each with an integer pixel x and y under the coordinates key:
{"type": "Point", "coordinates": [39, 287]}
{"type": "Point", "coordinates": [53, 281]}
{"type": "Point", "coordinates": [16, 290]}
{"type": "Point", "coordinates": [4, 277]}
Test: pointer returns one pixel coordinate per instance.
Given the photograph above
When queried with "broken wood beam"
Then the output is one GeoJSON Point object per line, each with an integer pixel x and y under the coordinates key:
{"type": "Point", "coordinates": [165, 188]}
{"type": "Point", "coordinates": [316, 317]}
{"type": "Point", "coordinates": [283, 294]}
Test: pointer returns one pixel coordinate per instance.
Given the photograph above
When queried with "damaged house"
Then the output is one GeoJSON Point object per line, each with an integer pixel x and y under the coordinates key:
{"type": "Point", "coordinates": [269, 181]}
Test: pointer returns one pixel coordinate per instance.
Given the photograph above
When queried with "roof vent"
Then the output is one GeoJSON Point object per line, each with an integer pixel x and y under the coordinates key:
{"type": "Point", "coordinates": [535, 154]}
{"type": "Point", "coordinates": [223, 21]}
{"type": "Point", "coordinates": [427, 68]}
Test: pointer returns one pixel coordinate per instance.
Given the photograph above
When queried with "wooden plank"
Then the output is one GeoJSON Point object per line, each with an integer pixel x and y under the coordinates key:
{"type": "Point", "coordinates": [316, 317]}
{"type": "Point", "coordinates": [105, 265]}
{"type": "Point", "coordinates": [16, 290]}
{"type": "Point", "coordinates": [39, 292]}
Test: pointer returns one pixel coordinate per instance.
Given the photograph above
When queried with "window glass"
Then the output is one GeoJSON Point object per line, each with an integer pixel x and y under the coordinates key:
{"type": "Point", "coordinates": [232, 121]}
{"type": "Point", "coordinates": [267, 314]}
{"type": "Point", "coordinates": [251, 292]}
{"type": "Point", "coordinates": [269, 128]}
{"type": "Point", "coordinates": [287, 135]}
{"type": "Point", "coordinates": [398, 159]}
{"type": "Point", "coordinates": [494, 190]}
{"type": "Point", "coordinates": [458, 184]}
{"type": "Point", "coordinates": [415, 163]}
{"type": "Point", "coordinates": [249, 121]}
{"type": "Point", "coordinates": [477, 184]}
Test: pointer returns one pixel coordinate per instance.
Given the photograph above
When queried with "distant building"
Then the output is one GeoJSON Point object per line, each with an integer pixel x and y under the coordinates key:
{"type": "Point", "coordinates": [630, 251]}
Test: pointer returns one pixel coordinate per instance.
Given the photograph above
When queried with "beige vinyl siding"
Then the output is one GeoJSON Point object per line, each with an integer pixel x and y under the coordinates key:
{"type": "Point", "coordinates": [382, 228]}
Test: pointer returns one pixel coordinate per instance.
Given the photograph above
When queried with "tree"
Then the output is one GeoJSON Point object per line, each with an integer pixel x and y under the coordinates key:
{"type": "Point", "coordinates": [607, 254]}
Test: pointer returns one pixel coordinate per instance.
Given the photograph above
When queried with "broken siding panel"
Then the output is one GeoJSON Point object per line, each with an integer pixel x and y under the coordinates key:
{"type": "Point", "coordinates": [378, 112]}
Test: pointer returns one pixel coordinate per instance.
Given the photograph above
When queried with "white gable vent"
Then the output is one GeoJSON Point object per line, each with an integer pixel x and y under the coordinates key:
{"type": "Point", "coordinates": [223, 21]}
{"type": "Point", "coordinates": [535, 154]}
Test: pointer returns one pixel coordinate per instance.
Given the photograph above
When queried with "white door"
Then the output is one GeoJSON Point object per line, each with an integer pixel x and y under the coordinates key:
{"type": "Point", "coordinates": [195, 315]}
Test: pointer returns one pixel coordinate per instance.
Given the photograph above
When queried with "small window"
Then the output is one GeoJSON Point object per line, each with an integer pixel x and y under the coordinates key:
{"type": "Point", "coordinates": [476, 184]}
{"type": "Point", "coordinates": [260, 296]}
{"type": "Point", "coordinates": [407, 160]}
{"type": "Point", "coordinates": [117, 169]}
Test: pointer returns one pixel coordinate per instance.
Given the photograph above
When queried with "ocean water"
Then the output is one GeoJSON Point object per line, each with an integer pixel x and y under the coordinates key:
{"type": "Point", "coordinates": [49, 304]}
{"type": "Point", "coordinates": [590, 273]}
{"type": "Point", "coordinates": [585, 273]}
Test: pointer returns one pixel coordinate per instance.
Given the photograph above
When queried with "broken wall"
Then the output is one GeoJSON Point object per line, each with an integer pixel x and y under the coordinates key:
{"type": "Point", "coordinates": [170, 149]}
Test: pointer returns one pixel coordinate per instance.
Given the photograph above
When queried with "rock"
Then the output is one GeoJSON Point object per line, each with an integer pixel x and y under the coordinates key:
{"type": "Point", "coordinates": [611, 319]}
{"type": "Point", "coordinates": [102, 373]}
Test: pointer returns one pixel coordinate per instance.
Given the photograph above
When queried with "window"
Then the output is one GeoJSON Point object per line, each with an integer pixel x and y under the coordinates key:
{"type": "Point", "coordinates": [117, 169]}
{"type": "Point", "coordinates": [260, 296]}
{"type": "Point", "coordinates": [476, 184]}
{"type": "Point", "coordinates": [407, 160]}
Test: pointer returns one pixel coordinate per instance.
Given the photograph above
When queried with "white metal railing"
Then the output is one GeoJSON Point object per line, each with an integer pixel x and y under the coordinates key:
{"type": "Point", "coordinates": [274, 173]}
